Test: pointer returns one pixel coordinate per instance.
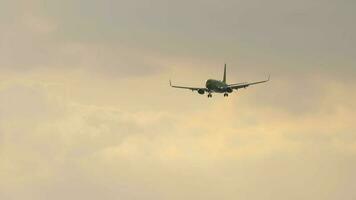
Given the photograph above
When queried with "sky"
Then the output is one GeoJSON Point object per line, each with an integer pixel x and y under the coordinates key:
{"type": "Point", "coordinates": [86, 111]}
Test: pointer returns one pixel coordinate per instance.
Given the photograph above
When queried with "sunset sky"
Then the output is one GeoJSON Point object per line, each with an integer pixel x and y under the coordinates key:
{"type": "Point", "coordinates": [86, 111]}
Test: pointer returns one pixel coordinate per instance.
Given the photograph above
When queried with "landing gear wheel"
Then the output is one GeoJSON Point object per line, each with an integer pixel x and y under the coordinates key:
{"type": "Point", "coordinates": [210, 95]}
{"type": "Point", "coordinates": [226, 95]}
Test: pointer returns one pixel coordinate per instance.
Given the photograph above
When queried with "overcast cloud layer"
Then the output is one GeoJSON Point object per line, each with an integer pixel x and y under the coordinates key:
{"type": "Point", "coordinates": [86, 111]}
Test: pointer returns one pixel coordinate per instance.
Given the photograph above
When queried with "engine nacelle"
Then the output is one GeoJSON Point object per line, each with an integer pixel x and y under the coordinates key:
{"type": "Point", "coordinates": [201, 91]}
{"type": "Point", "coordinates": [229, 90]}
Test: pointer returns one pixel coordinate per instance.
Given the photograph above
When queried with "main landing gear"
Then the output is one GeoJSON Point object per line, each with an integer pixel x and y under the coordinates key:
{"type": "Point", "coordinates": [210, 95]}
{"type": "Point", "coordinates": [226, 95]}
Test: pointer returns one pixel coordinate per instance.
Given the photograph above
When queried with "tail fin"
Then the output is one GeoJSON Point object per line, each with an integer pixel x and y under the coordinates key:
{"type": "Point", "coordinates": [224, 78]}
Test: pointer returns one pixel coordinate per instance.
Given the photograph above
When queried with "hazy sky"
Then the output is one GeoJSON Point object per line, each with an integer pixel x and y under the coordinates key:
{"type": "Point", "coordinates": [86, 111]}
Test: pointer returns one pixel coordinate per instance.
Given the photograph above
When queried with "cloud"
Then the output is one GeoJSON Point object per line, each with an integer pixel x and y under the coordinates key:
{"type": "Point", "coordinates": [61, 146]}
{"type": "Point", "coordinates": [86, 111]}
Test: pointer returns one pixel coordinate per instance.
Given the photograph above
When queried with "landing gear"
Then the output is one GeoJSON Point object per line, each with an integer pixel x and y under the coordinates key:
{"type": "Point", "coordinates": [226, 95]}
{"type": "Point", "coordinates": [210, 95]}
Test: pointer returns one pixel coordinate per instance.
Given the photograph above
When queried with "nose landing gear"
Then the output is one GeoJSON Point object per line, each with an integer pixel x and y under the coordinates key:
{"type": "Point", "coordinates": [210, 95]}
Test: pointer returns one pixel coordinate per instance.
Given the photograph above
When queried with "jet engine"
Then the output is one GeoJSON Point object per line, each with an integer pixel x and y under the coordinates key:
{"type": "Point", "coordinates": [229, 90]}
{"type": "Point", "coordinates": [201, 91]}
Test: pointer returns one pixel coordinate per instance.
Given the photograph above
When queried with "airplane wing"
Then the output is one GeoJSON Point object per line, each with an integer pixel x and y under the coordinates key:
{"type": "Point", "coordinates": [237, 84]}
{"type": "Point", "coordinates": [246, 84]}
{"type": "Point", "coordinates": [189, 88]}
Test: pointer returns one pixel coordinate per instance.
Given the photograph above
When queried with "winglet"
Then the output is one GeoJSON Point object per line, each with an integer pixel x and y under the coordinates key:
{"type": "Point", "coordinates": [170, 83]}
{"type": "Point", "coordinates": [269, 76]}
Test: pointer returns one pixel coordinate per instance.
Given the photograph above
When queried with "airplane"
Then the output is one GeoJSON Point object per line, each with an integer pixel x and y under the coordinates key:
{"type": "Point", "coordinates": [217, 86]}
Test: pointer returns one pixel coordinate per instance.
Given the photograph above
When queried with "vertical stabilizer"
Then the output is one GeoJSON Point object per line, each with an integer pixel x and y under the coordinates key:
{"type": "Point", "coordinates": [224, 78]}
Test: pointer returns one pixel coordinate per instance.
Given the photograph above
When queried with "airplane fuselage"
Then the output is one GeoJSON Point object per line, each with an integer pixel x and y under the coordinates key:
{"type": "Point", "coordinates": [216, 86]}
